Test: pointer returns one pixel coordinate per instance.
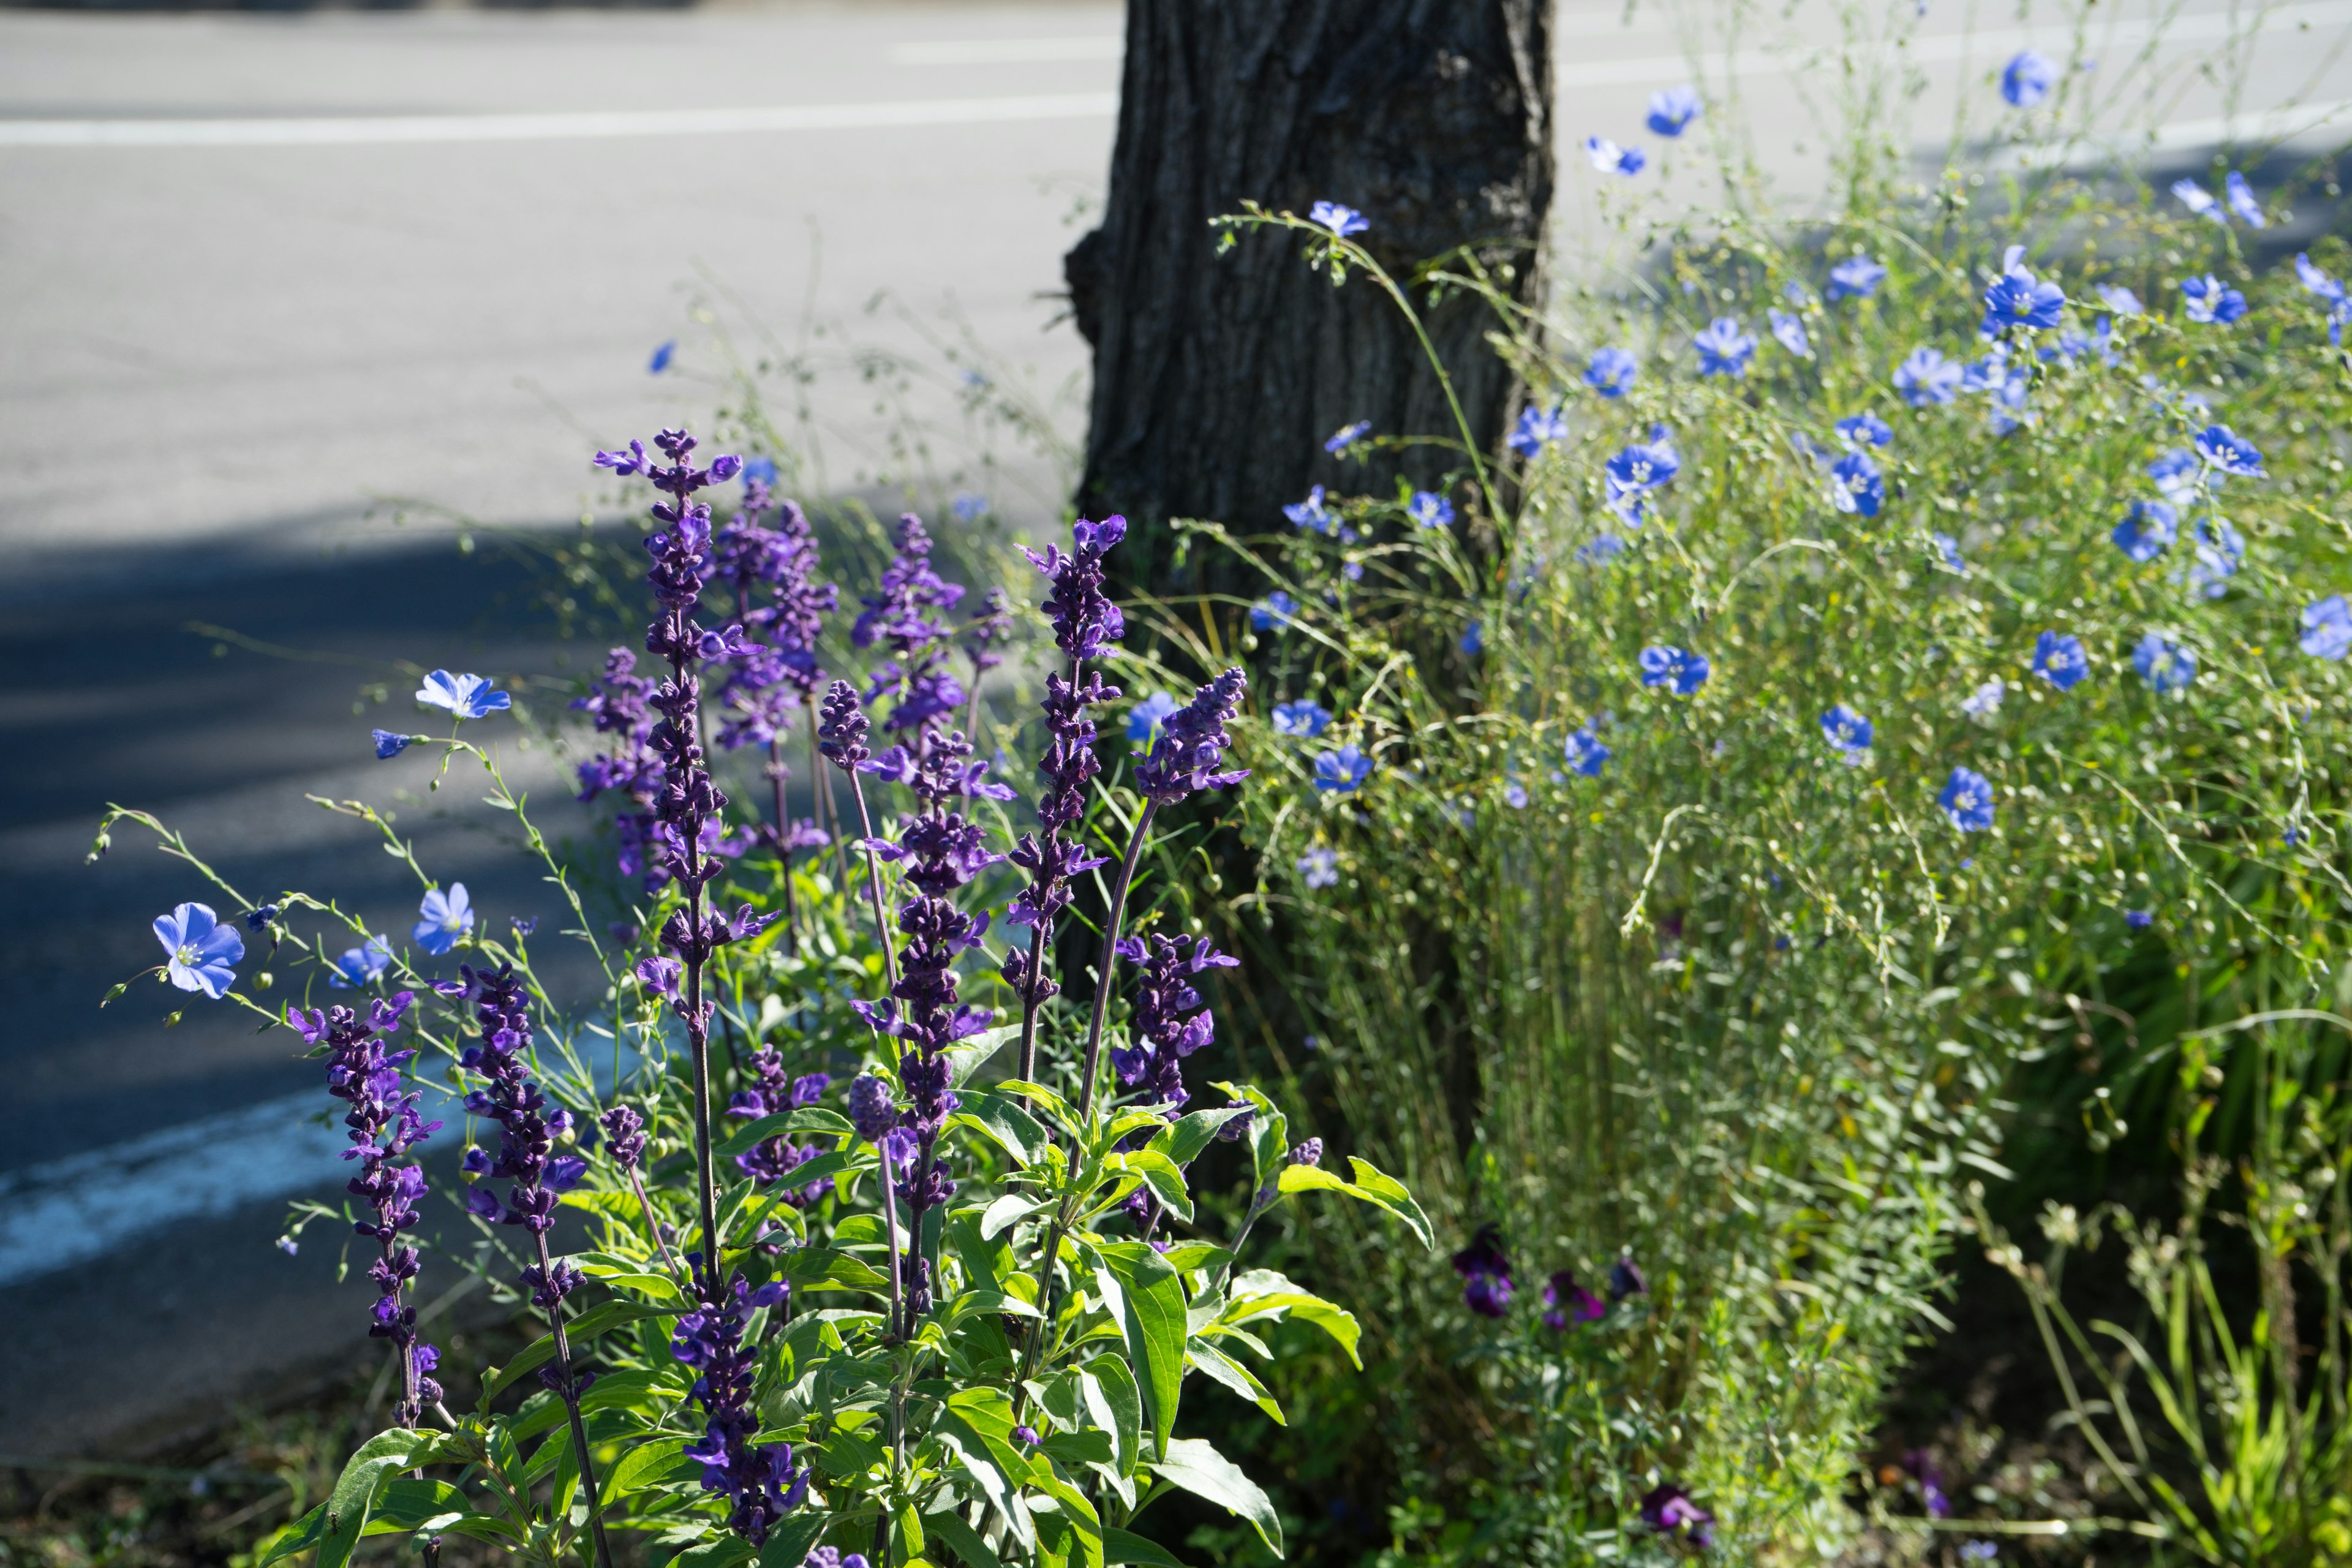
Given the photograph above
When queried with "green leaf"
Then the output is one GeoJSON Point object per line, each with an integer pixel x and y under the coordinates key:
{"type": "Point", "coordinates": [970, 1449]}
{"type": "Point", "coordinates": [1147, 1296]}
{"type": "Point", "coordinates": [1007, 1211]}
{"type": "Point", "coordinates": [1269, 1135]}
{"type": "Point", "coordinates": [788, 1544]}
{"type": "Point", "coordinates": [1077, 1512]}
{"type": "Point", "coordinates": [968, 1055]}
{"type": "Point", "coordinates": [380, 1459]}
{"type": "Point", "coordinates": [599, 1318]}
{"type": "Point", "coordinates": [1114, 1405]}
{"type": "Point", "coordinates": [1188, 1134]}
{"type": "Point", "coordinates": [648, 1467]}
{"type": "Point", "coordinates": [1001, 1119]}
{"type": "Point", "coordinates": [725, 1551]}
{"type": "Point", "coordinates": [950, 1527]}
{"type": "Point", "coordinates": [1126, 1546]}
{"type": "Point", "coordinates": [1377, 1186]}
{"type": "Point", "coordinates": [1197, 1468]}
{"type": "Point", "coordinates": [1223, 1368]}
{"type": "Point", "coordinates": [1162, 1175]}
{"type": "Point", "coordinates": [1263, 1292]}
{"type": "Point", "coordinates": [659, 1286]}
{"type": "Point", "coordinates": [807, 1118]}
{"type": "Point", "coordinates": [1053, 1104]}
{"type": "Point", "coordinates": [821, 1267]}
{"type": "Point", "coordinates": [1187, 1255]}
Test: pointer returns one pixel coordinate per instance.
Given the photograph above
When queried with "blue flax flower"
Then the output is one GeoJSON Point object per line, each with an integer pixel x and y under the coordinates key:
{"type": "Point", "coordinates": [1633, 473]}
{"type": "Point", "coordinates": [1598, 551]}
{"type": "Point", "coordinates": [2059, 659]}
{"type": "Point", "coordinates": [2146, 530]}
{"type": "Point", "coordinates": [2223, 448]}
{"type": "Point", "coordinates": [2017, 299]}
{"type": "Point", "coordinates": [969, 507]}
{"type": "Point", "coordinates": [1984, 702]}
{"type": "Point", "coordinates": [1788, 331]}
{"type": "Point", "coordinates": [1927, 379]}
{"type": "Point", "coordinates": [361, 966]}
{"type": "Point", "coordinates": [1612, 370]}
{"type": "Point", "coordinates": [2244, 202]}
{"type": "Point", "coordinates": [662, 356]}
{"type": "Point", "coordinates": [2199, 201]}
{"type": "Point", "coordinates": [2164, 664]}
{"type": "Point", "coordinates": [1723, 348]}
{"type": "Point", "coordinates": [2328, 628]}
{"type": "Point", "coordinates": [1967, 800]}
{"type": "Point", "coordinates": [466, 695]}
{"type": "Point", "coordinates": [1147, 718]}
{"type": "Point", "coordinates": [1538, 429]}
{"type": "Point", "coordinates": [1348, 436]}
{"type": "Point", "coordinates": [2212, 301]}
{"type": "Point", "coordinates": [1857, 278]}
{"type": "Point", "coordinates": [1683, 671]}
{"type": "Point", "coordinates": [1611, 159]}
{"type": "Point", "coordinates": [1303, 719]}
{"type": "Point", "coordinates": [1429, 509]}
{"type": "Point", "coordinates": [2027, 80]}
{"type": "Point", "coordinates": [1311, 512]}
{"type": "Point", "coordinates": [1319, 869]}
{"type": "Point", "coordinates": [1341, 772]}
{"type": "Point", "coordinates": [1276, 610]}
{"type": "Point", "coordinates": [1473, 638]}
{"type": "Point", "coordinates": [1672, 110]}
{"type": "Point", "coordinates": [2120, 299]}
{"type": "Point", "coordinates": [1343, 221]}
{"type": "Point", "coordinates": [201, 951]}
{"type": "Point", "coordinates": [1847, 731]}
{"type": "Point", "coordinates": [2139, 920]}
{"type": "Point", "coordinates": [389, 744]}
{"type": "Point", "coordinates": [1856, 485]}
{"type": "Point", "coordinates": [2339, 303]}
{"type": "Point", "coordinates": [446, 917]}
{"type": "Point", "coordinates": [1863, 430]}
{"type": "Point", "coordinates": [1947, 550]}
{"type": "Point", "coordinates": [1585, 753]}
{"type": "Point", "coordinates": [2219, 551]}
{"type": "Point", "coordinates": [2175, 473]}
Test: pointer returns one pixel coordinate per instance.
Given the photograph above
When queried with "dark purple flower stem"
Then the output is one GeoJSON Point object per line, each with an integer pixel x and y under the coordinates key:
{"type": "Point", "coordinates": [653, 1227]}
{"type": "Point", "coordinates": [569, 1392]}
{"type": "Point", "coordinates": [874, 886]}
{"type": "Point", "coordinates": [1033, 1001]}
{"type": "Point", "coordinates": [828, 811]}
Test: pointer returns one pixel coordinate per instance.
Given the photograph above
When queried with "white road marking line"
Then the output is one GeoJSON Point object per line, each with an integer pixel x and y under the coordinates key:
{"type": "Point", "coordinates": [389, 130]}
{"type": "Point", "coordinates": [1009, 51]}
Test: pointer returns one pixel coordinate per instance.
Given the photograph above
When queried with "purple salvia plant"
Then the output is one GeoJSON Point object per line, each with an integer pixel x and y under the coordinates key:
{"type": "Point", "coordinates": [384, 1130]}
{"type": "Point", "coordinates": [688, 808]}
{"type": "Point", "coordinates": [841, 731]}
{"type": "Point", "coordinates": [761, 1483]}
{"type": "Point", "coordinates": [527, 1159]}
{"type": "Point", "coordinates": [618, 705]}
{"type": "Point", "coordinates": [625, 1143]}
{"type": "Point", "coordinates": [897, 616]}
{"type": "Point", "coordinates": [1085, 623]}
{"type": "Point", "coordinates": [1170, 1023]}
{"type": "Point", "coordinates": [772, 1159]}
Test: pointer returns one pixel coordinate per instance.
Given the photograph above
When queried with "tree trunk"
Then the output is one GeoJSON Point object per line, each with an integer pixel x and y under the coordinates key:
{"type": "Point", "coordinates": [1218, 378]}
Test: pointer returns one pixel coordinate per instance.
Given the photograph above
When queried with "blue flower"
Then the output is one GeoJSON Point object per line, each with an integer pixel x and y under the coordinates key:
{"type": "Point", "coordinates": [2223, 448]}
{"type": "Point", "coordinates": [1723, 348]}
{"type": "Point", "coordinates": [2164, 664]}
{"type": "Point", "coordinates": [361, 965]}
{"type": "Point", "coordinates": [1788, 331]}
{"type": "Point", "coordinates": [2210, 300]}
{"type": "Point", "coordinates": [969, 506]}
{"type": "Point", "coordinates": [2059, 659]}
{"type": "Point", "coordinates": [2220, 549]}
{"type": "Point", "coordinates": [466, 695]}
{"type": "Point", "coordinates": [2138, 920]}
{"type": "Point", "coordinates": [1985, 701]}
{"type": "Point", "coordinates": [2008, 390]}
{"type": "Point", "coordinates": [2175, 473]}
{"type": "Point", "coordinates": [2328, 628]}
{"type": "Point", "coordinates": [446, 917]}
{"type": "Point", "coordinates": [389, 745]}
{"type": "Point", "coordinates": [1611, 159]}
{"type": "Point", "coordinates": [1856, 485]}
{"type": "Point", "coordinates": [1847, 731]}
{"type": "Point", "coordinates": [1598, 551]}
{"type": "Point", "coordinates": [1275, 610]}
{"type": "Point", "coordinates": [2120, 299]}
{"type": "Point", "coordinates": [1348, 436]}
{"type": "Point", "coordinates": [1341, 772]}
{"type": "Point", "coordinates": [1947, 550]}
{"type": "Point", "coordinates": [200, 949]}
{"type": "Point", "coordinates": [2026, 81]}
{"type": "Point", "coordinates": [1429, 509]}
{"type": "Point", "coordinates": [1672, 110]}
{"type": "Point", "coordinates": [1857, 278]}
{"type": "Point", "coordinates": [1303, 719]}
{"type": "Point", "coordinates": [1585, 753]}
{"type": "Point", "coordinates": [2199, 200]}
{"type": "Point", "coordinates": [1538, 429]}
{"type": "Point", "coordinates": [1473, 638]}
{"type": "Point", "coordinates": [1927, 378]}
{"type": "Point", "coordinates": [1340, 220]}
{"type": "Point", "coordinates": [662, 356]}
{"type": "Point", "coordinates": [2339, 304]}
{"type": "Point", "coordinates": [2244, 202]}
{"type": "Point", "coordinates": [1636, 472]}
{"type": "Point", "coordinates": [1612, 371]}
{"type": "Point", "coordinates": [762, 470]}
{"type": "Point", "coordinates": [2146, 530]}
{"type": "Point", "coordinates": [1967, 800]}
{"type": "Point", "coordinates": [1515, 794]}
{"type": "Point", "coordinates": [1311, 512]}
{"type": "Point", "coordinates": [2017, 299]}
{"type": "Point", "coordinates": [1673, 667]}
{"type": "Point", "coordinates": [1863, 430]}
{"type": "Point", "coordinates": [1319, 869]}
{"type": "Point", "coordinates": [1145, 719]}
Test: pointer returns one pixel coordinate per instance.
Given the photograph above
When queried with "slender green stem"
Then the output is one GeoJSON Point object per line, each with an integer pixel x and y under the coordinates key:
{"type": "Point", "coordinates": [874, 886]}
{"type": "Point", "coordinates": [1105, 978]}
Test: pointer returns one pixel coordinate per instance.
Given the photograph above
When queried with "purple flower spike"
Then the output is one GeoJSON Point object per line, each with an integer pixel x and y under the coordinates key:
{"type": "Point", "coordinates": [761, 1484]}
{"type": "Point", "coordinates": [1191, 747]}
{"type": "Point", "coordinates": [1084, 620]}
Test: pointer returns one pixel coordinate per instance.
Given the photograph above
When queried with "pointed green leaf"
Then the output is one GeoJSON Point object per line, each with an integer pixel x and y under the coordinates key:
{"type": "Point", "coordinates": [807, 1118]}
{"type": "Point", "coordinates": [788, 1544]}
{"type": "Point", "coordinates": [1114, 1405]}
{"type": "Point", "coordinates": [380, 1459]}
{"type": "Point", "coordinates": [1197, 1468]}
{"type": "Point", "coordinates": [1148, 1298]}
{"type": "Point", "coordinates": [1126, 1546]}
{"type": "Point", "coordinates": [1223, 1368]}
{"type": "Point", "coordinates": [962, 1538]}
{"type": "Point", "coordinates": [1188, 1134]}
{"type": "Point", "coordinates": [1392, 1194]}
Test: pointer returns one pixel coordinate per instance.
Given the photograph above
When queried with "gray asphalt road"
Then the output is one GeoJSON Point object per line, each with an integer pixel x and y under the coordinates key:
{"type": "Point", "coordinates": [263, 278]}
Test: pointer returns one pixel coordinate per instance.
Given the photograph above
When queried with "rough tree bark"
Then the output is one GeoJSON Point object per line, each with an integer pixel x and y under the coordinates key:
{"type": "Point", "coordinates": [1217, 378]}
